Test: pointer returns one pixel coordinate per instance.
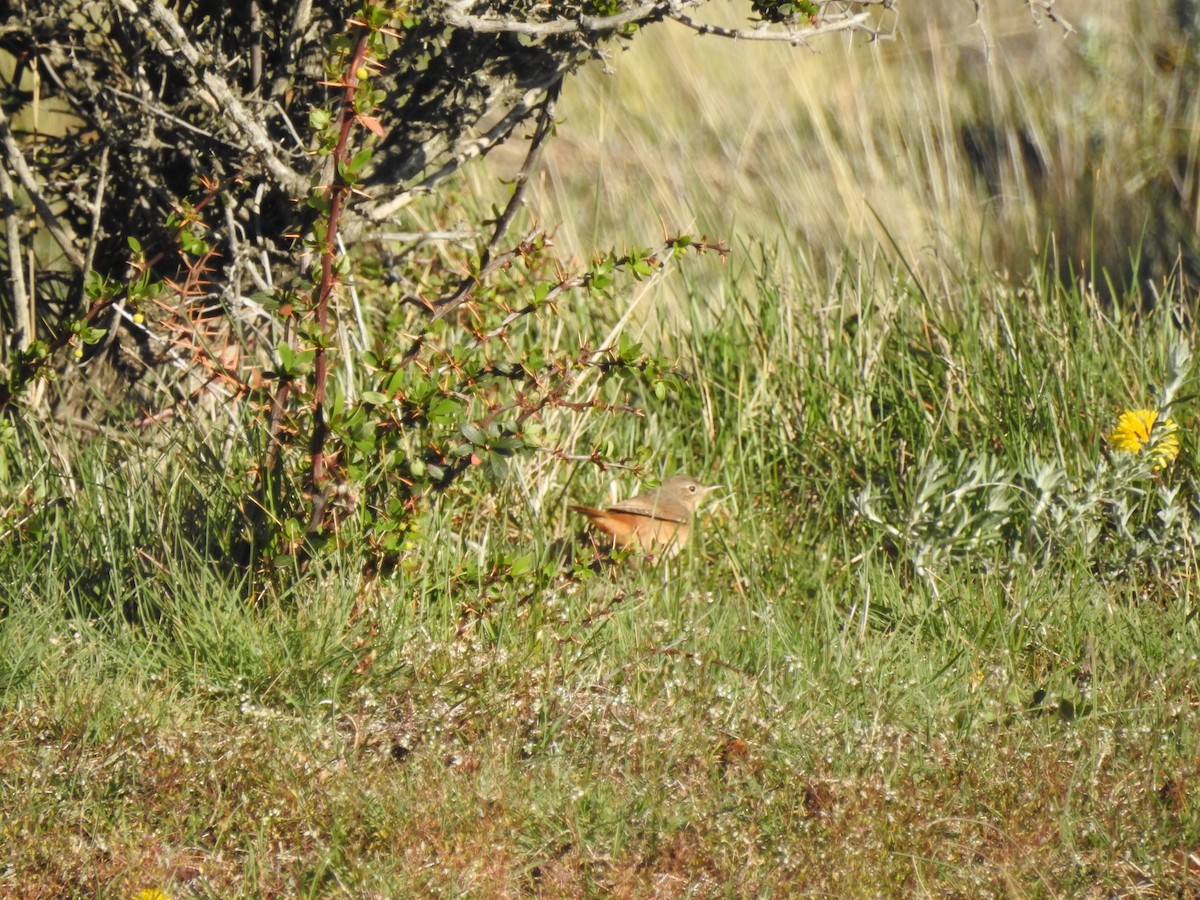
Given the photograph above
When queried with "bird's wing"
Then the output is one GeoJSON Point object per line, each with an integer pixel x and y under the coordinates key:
{"type": "Point", "coordinates": [654, 507]}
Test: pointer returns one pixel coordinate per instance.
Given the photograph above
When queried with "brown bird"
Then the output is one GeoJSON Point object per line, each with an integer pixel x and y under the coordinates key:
{"type": "Point", "coordinates": [656, 520]}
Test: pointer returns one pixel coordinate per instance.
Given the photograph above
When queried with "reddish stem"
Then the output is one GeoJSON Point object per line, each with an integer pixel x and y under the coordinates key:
{"type": "Point", "coordinates": [339, 190]}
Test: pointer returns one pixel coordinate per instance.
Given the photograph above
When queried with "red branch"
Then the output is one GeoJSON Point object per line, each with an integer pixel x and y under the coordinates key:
{"type": "Point", "coordinates": [339, 191]}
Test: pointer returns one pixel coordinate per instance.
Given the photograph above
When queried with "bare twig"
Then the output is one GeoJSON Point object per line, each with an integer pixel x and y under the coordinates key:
{"type": "Point", "coordinates": [453, 14]}
{"type": "Point", "coordinates": [467, 286]}
{"type": "Point", "coordinates": [472, 149]}
{"type": "Point", "coordinates": [22, 313]}
{"type": "Point", "coordinates": [595, 458]}
{"type": "Point", "coordinates": [578, 280]}
{"type": "Point", "coordinates": [161, 26]}
{"type": "Point", "coordinates": [983, 30]}
{"type": "Point", "coordinates": [545, 125]}
{"type": "Point", "coordinates": [301, 18]}
{"type": "Point", "coordinates": [644, 13]}
{"type": "Point", "coordinates": [856, 22]}
{"type": "Point", "coordinates": [1045, 8]}
{"type": "Point", "coordinates": [425, 237]}
{"type": "Point", "coordinates": [97, 209]}
{"type": "Point", "coordinates": [62, 233]}
{"type": "Point", "coordinates": [256, 45]}
{"type": "Point", "coordinates": [157, 110]}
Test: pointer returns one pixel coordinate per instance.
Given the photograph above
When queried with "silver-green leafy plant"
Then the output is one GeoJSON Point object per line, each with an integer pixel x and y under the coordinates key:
{"type": "Point", "coordinates": [1129, 514]}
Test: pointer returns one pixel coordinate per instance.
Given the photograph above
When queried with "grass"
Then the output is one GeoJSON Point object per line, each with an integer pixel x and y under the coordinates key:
{"type": "Point", "coordinates": [787, 708]}
{"type": "Point", "coordinates": [946, 700]}
{"type": "Point", "coordinates": [960, 144]}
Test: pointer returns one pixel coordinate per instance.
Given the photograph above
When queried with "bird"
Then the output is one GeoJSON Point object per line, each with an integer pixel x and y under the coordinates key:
{"type": "Point", "coordinates": [659, 519]}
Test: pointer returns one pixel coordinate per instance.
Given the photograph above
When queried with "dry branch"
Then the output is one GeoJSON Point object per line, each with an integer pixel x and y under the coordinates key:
{"type": "Point", "coordinates": [63, 234]}
{"type": "Point", "coordinates": [168, 97]}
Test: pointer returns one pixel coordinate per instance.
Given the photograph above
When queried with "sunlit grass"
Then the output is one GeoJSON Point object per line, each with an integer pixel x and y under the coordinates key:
{"type": "Point", "coordinates": [786, 686]}
{"type": "Point", "coordinates": [955, 145]}
{"type": "Point", "coordinates": [803, 701]}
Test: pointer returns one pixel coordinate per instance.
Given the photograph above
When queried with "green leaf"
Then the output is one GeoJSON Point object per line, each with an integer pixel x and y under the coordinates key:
{"type": "Point", "coordinates": [376, 16]}
{"type": "Point", "coordinates": [521, 565]}
{"type": "Point", "coordinates": [191, 244]}
{"type": "Point", "coordinates": [498, 465]}
{"type": "Point", "coordinates": [535, 360]}
{"type": "Point", "coordinates": [294, 363]}
{"type": "Point", "coordinates": [394, 382]}
{"type": "Point", "coordinates": [627, 350]}
{"type": "Point", "coordinates": [319, 119]}
{"type": "Point", "coordinates": [94, 285]}
{"type": "Point", "coordinates": [442, 410]}
{"type": "Point", "coordinates": [360, 159]}
{"type": "Point", "coordinates": [319, 201]}
{"type": "Point", "coordinates": [473, 434]}
{"type": "Point", "coordinates": [601, 276]}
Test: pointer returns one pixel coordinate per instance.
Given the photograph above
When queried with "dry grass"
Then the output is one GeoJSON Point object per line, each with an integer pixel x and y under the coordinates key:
{"type": "Point", "coordinates": [645, 804]}
{"type": "Point", "coordinates": [978, 146]}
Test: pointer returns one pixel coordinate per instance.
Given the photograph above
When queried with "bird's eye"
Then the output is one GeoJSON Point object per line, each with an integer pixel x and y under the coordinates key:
{"type": "Point", "coordinates": [692, 488]}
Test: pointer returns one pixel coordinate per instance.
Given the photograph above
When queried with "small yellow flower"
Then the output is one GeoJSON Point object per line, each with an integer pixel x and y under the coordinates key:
{"type": "Point", "coordinates": [1135, 431]}
{"type": "Point", "coordinates": [152, 894]}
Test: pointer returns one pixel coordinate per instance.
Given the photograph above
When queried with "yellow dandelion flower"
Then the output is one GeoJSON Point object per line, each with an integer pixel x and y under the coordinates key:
{"type": "Point", "coordinates": [152, 894]}
{"type": "Point", "coordinates": [1135, 431]}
